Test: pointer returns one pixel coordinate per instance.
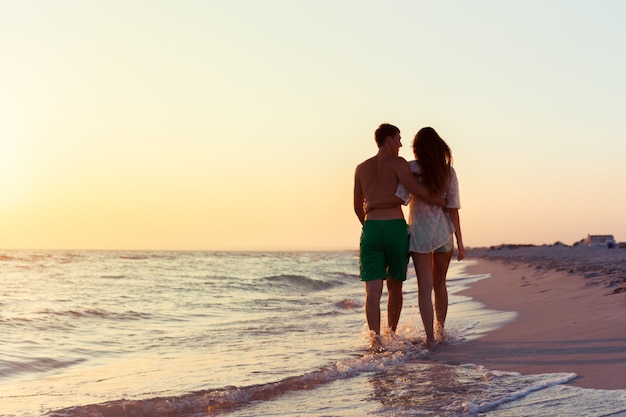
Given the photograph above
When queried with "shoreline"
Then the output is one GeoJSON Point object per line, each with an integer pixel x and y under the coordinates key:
{"type": "Point", "coordinates": [567, 321]}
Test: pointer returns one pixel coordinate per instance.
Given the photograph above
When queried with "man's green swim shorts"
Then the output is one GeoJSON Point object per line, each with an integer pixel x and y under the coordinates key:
{"type": "Point", "coordinates": [384, 249]}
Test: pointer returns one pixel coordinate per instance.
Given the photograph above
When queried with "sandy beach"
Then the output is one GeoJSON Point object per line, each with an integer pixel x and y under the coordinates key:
{"type": "Point", "coordinates": [571, 305]}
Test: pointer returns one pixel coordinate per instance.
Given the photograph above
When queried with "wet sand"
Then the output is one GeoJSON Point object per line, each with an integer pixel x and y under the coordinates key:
{"type": "Point", "coordinates": [571, 305]}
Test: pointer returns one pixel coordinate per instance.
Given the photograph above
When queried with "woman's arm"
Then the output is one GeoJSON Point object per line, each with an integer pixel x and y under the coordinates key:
{"type": "Point", "coordinates": [456, 222]}
{"type": "Point", "coordinates": [386, 202]}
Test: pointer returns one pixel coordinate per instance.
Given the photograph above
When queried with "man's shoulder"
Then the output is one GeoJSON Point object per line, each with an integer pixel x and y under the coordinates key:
{"type": "Point", "coordinates": [367, 162]}
{"type": "Point", "coordinates": [376, 162]}
{"type": "Point", "coordinates": [398, 161]}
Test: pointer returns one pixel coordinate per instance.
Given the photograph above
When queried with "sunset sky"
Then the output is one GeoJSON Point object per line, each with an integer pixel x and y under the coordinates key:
{"type": "Point", "coordinates": [237, 125]}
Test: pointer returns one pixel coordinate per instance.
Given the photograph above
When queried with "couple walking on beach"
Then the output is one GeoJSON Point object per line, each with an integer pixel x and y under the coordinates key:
{"type": "Point", "coordinates": [382, 184]}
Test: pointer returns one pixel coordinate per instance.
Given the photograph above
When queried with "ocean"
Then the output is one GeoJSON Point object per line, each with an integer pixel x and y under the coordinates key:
{"type": "Point", "coordinates": [140, 333]}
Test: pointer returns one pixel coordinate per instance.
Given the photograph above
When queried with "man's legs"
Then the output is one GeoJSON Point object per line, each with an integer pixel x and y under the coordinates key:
{"type": "Point", "coordinates": [397, 261]}
{"type": "Point", "coordinates": [373, 292]}
{"type": "Point", "coordinates": [441, 261]}
{"type": "Point", "coordinates": [394, 303]}
{"type": "Point", "coordinates": [383, 252]}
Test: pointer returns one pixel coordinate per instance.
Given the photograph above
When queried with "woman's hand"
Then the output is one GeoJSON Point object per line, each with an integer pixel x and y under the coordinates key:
{"type": "Point", "coordinates": [461, 252]}
{"type": "Point", "coordinates": [392, 201]}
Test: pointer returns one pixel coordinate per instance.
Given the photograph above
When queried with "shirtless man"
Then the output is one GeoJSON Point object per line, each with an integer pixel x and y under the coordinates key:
{"type": "Point", "coordinates": [384, 242]}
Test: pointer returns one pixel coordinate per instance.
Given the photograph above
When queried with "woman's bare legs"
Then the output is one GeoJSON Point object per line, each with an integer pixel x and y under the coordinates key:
{"type": "Point", "coordinates": [441, 261]}
{"type": "Point", "coordinates": [424, 270]}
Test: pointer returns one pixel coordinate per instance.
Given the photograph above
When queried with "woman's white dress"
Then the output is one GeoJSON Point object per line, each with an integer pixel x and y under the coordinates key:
{"type": "Point", "coordinates": [430, 226]}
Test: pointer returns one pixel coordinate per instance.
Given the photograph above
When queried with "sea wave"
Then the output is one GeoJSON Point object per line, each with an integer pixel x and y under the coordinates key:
{"type": "Point", "coordinates": [34, 365]}
{"type": "Point", "coordinates": [113, 276]}
{"type": "Point", "coordinates": [514, 387]}
{"type": "Point", "coordinates": [401, 380]}
{"type": "Point", "coordinates": [301, 282]}
{"type": "Point", "coordinates": [223, 399]}
{"type": "Point", "coordinates": [349, 304]}
{"type": "Point", "coordinates": [96, 313]}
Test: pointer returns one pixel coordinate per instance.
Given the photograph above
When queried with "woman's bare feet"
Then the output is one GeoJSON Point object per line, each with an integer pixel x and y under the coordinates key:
{"type": "Point", "coordinates": [440, 333]}
{"type": "Point", "coordinates": [376, 345]}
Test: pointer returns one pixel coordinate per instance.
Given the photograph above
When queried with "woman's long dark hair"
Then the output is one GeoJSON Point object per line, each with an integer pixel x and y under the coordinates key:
{"type": "Point", "coordinates": [435, 159]}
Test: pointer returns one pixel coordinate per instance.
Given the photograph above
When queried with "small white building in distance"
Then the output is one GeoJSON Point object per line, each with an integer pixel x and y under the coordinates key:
{"type": "Point", "coordinates": [608, 241]}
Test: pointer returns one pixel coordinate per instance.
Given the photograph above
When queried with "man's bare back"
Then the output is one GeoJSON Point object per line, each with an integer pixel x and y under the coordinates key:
{"type": "Point", "coordinates": [377, 178]}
